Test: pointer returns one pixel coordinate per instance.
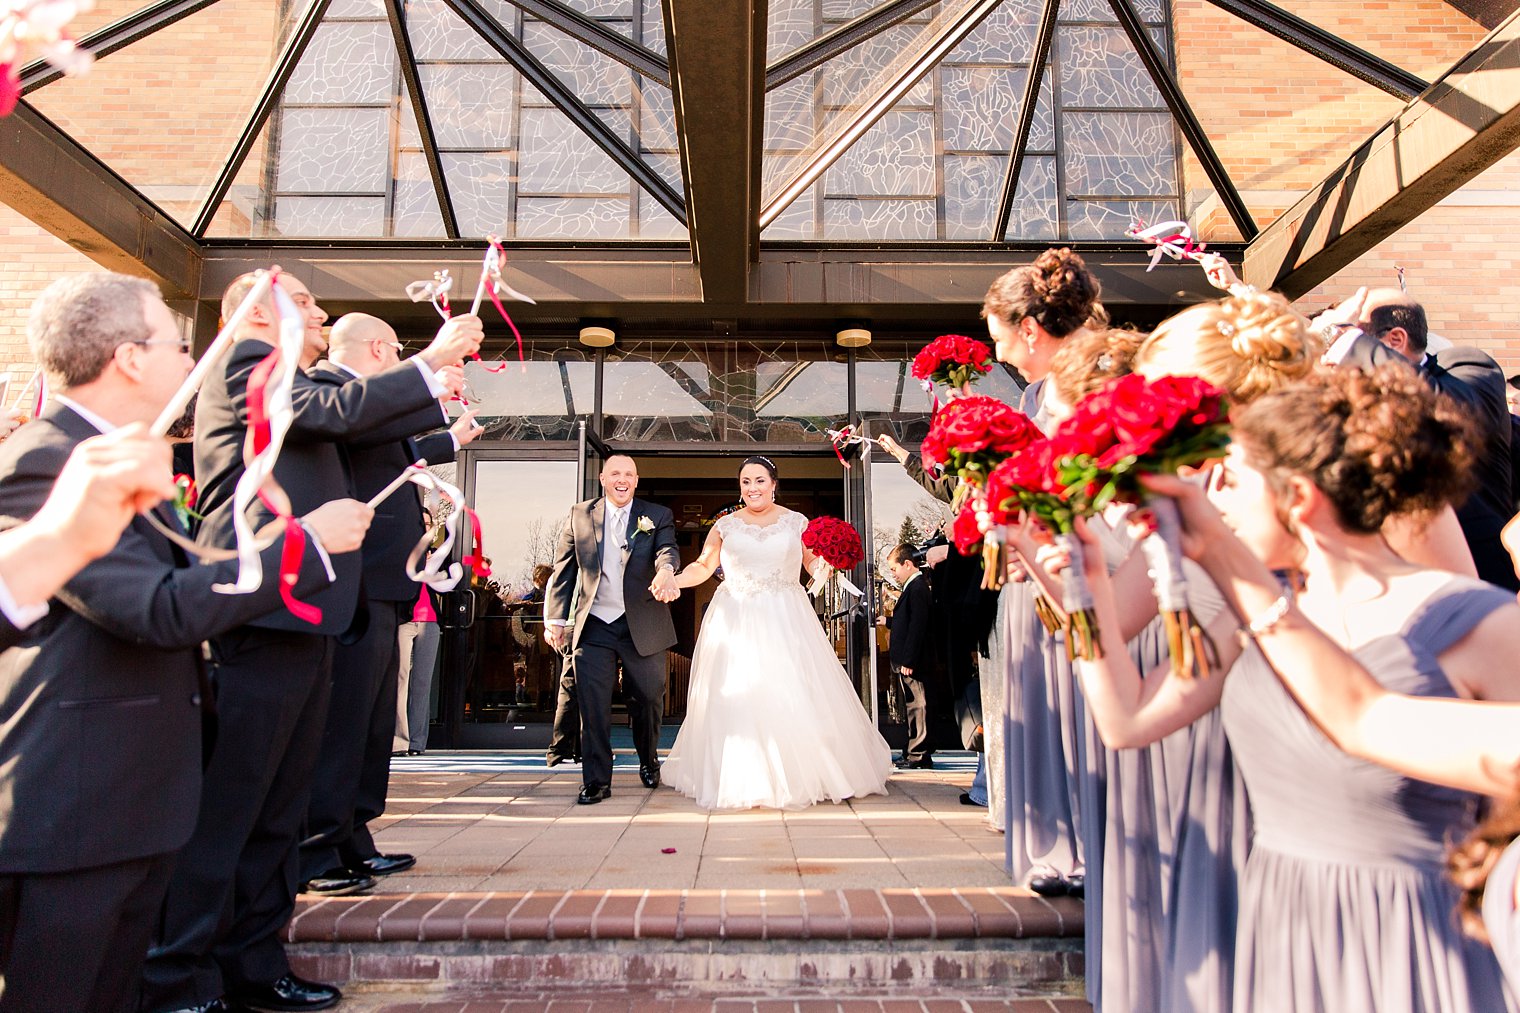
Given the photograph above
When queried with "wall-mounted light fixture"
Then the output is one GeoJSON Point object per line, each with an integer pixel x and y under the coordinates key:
{"type": "Point", "coordinates": [597, 337]}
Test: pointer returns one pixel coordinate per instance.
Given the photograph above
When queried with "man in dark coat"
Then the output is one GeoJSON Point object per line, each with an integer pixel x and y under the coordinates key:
{"type": "Point", "coordinates": [104, 699]}
{"type": "Point", "coordinates": [234, 885]}
{"type": "Point", "coordinates": [615, 555]}
{"type": "Point", "coordinates": [1394, 328]}
{"type": "Point", "coordinates": [912, 652]}
{"type": "Point", "coordinates": [353, 771]}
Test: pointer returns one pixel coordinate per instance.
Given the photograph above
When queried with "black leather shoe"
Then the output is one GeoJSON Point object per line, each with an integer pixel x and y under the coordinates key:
{"type": "Point", "coordinates": [591, 794]}
{"type": "Point", "coordinates": [966, 799]}
{"type": "Point", "coordinates": [649, 774]}
{"type": "Point", "coordinates": [384, 865]}
{"type": "Point", "coordinates": [287, 994]}
{"type": "Point", "coordinates": [1076, 886]}
{"type": "Point", "coordinates": [922, 763]}
{"type": "Point", "coordinates": [338, 882]}
{"type": "Point", "coordinates": [1047, 884]}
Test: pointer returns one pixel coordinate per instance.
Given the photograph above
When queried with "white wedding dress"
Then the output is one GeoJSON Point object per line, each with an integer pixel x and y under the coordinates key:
{"type": "Point", "coordinates": [771, 717]}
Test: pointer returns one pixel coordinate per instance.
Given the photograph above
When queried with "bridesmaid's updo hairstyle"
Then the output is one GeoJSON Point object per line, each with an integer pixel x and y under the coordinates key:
{"type": "Point", "coordinates": [764, 462]}
{"type": "Point", "coordinates": [1245, 345]}
{"type": "Point", "coordinates": [1376, 444]}
{"type": "Point", "coordinates": [1057, 291]}
{"type": "Point", "coordinates": [1088, 361]}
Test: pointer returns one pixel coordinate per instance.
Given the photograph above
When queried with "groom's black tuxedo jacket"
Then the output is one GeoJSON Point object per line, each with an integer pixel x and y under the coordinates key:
{"type": "Point", "coordinates": [375, 457]}
{"type": "Point", "coordinates": [100, 702]}
{"type": "Point", "coordinates": [311, 468]}
{"type": "Point", "coordinates": [578, 571]}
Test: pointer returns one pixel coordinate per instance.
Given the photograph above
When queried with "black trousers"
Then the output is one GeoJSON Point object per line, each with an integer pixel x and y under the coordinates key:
{"type": "Point", "coordinates": [565, 741]}
{"type": "Point", "coordinates": [234, 884]}
{"type": "Point", "coordinates": [915, 699]}
{"type": "Point", "coordinates": [353, 769]}
{"type": "Point", "coordinates": [75, 940]}
{"type": "Point", "coordinates": [601, 646]}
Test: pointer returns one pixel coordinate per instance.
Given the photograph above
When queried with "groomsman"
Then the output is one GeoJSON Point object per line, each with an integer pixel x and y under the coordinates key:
{"type": "Point", "coordinates": [234, 885]}
{"type": "Point", "coordinates": [617, 557]}
{"type": "Point", "coordinates": [353, 772]}
{"type": "Point", "coordinates": [912, 652]}
{"type": "Point", "coordinates": [105, 697]}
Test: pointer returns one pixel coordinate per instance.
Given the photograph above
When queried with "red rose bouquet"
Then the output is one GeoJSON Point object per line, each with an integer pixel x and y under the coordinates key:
{"type": "Point", "coordinates": [952, 359]}
{"type": "Point", "coordinates": [837, 545]}
{"type": "Point", "coordinates": [971, 435]}
{"type": "Point", "coordinates": [1132, 427]}
{"type": "Point", "coordinates": [1028, 483]}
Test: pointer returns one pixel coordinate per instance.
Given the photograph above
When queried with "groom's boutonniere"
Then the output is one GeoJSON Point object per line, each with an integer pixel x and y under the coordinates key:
{"type": "Point", "coordinates": [644, 526]}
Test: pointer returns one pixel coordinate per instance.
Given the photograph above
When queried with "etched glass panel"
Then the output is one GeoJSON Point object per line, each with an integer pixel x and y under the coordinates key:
{"type": "Point", "coordinates": [657, 118]}
{"type": "Point", "coordinates": [1099, 10]}
{"type": "Point", "coordinates": [893, 158]}
{"type": "Point", "coordinates": [329, 216]}
{"type": "Point", "coordinates": [798, 221]}
{"type": "Point", "coordinates": [557, 158]}
{"type": "Point", "coordinates": [537, 400]}
{"type": "Point", "coordinates": [1005, 36]}
{"type": "Point", "coordinates": [1034, 214]}
{"type": "Point", "coordinates": [596, 79]}
{"type": "Point", "coordinates": [1109, 219]}
{"type": "Point", "coordinates": [602, 8]}
{"type": "Point", "coordinates": [789, 26]}
{"type": "Point", "coordinates": [572, 217]}
{"type": "Point", "coordinates": [973, 184]}
{"type": "Point", "coordinates": [415, 208]}
{"type": "Point", "coordinates": [980, 106]}
{"type": "Point", "coordinates": [471, 105]}
{"type": "Point", "coordinates": [657, 223]}
{"type": "Point", "coordinates": [789, 114]}
{"type": "Point", "coordinates": [1100, 68]}
{"type": "Point", "coordinates": [338, 149]}
{"type": "Point", "coordinates": [653, 25]}
{"type": "Point", "coordinates": [440, 34]}
{"type": "Point", "coordinates": [480, 186]}
{"type": "Point", "coordinates": [847, 80]}
{"type": "Point", "coordinates": [878, 220]}
{"type": "Point", "coordinates": [1120, 154]}
{"type": "Point", "coordinates": [350, 62]}
{"type": "Point", "coordinates": [356, 9]}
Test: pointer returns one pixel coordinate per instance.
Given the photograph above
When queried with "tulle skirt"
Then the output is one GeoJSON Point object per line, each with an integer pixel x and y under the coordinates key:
{"type": "Point", "coordinates": [771, 718]}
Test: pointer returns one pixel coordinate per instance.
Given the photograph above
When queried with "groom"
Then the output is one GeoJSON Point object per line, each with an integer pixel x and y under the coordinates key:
{"type": "Point", "coordinates": [613, 580]}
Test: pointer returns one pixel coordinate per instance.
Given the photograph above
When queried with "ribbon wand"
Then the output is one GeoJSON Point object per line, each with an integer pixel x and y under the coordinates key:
{"type": "Point", "coordinates": [396, 483]}
{"type": "Point", "coordinates": [219, 346]}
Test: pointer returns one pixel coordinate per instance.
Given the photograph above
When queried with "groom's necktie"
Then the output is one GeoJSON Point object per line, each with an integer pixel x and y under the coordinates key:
{"type": "Point", "coordinates": [609, 591]}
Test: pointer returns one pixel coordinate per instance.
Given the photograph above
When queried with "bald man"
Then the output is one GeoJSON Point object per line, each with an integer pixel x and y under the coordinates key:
{"type": "Point", "coordinates": [353, 771]}
{"type": "Point", "coordinates": [1394, 328]}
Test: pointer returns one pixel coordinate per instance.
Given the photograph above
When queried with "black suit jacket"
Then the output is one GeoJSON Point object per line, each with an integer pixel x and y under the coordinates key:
{"type": "Point", "coordinates": [911, 646]}
{"type": "Point", "coordinates": [9, 635]}
{"type": "Point", "coordinates": [578, 571]}
{"type": "Point", "coordinates": [1474, 380]}
{"type": "Point", "coordinates": [375, 457]}
{"type": "Point", "coordinates": [311, 467]}
{"type": "Point", "coordinates": [100, 709]}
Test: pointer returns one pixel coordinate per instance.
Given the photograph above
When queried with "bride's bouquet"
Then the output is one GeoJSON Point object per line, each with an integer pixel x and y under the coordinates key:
{"type": "Point", "coordinates": [1132, 427]}
{"type": "Point", "coordinates": [837, 545]}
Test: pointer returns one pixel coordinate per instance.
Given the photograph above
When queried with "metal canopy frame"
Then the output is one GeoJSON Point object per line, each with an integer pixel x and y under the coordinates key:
{"type": "Point", "coordinates": [716, 64]}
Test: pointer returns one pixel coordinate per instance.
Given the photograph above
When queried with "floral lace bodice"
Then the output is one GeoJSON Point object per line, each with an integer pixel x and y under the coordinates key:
{"type": "Point", "coordinates": [759, 558]}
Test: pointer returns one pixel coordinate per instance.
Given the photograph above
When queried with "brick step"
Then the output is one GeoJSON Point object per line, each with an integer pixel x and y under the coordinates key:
{"type": "Point", "coordinates": [899, 938]}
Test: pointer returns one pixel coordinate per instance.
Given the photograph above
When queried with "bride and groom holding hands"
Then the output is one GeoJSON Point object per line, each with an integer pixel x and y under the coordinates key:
{"type": "Point", "coordinates": [771, 717]}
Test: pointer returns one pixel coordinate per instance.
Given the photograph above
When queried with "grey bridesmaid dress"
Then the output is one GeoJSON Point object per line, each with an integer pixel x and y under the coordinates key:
{"type": "Point", "coordinates": [1344, 905]}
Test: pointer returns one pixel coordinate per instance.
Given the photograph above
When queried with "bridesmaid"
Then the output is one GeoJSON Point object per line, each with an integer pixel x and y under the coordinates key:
{"type": "Point", "coordinates": [1343, 902]}
{"type": "Point", "coordinates": [1033, 739]}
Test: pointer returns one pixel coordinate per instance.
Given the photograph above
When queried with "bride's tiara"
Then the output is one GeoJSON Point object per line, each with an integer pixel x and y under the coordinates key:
{"type": "Point", "coordinates": [761, 458]}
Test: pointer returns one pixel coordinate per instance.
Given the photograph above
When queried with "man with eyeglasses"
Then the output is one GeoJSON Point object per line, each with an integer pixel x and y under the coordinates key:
{"type": "Point", "coordinates": [338, 853]}
{"type": "Point", "coordinates": [106, 694]}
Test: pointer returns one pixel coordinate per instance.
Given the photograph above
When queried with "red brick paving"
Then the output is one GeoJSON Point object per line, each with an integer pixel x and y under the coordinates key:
{"type": "Point", "coordinates": [650, 1002]}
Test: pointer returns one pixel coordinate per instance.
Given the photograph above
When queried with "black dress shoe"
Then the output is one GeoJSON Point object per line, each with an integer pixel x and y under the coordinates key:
{"type": "Point", "coordinates": [287, 994]}
{"type": "Point", "coordinates": [649, 774]}
{"type": "Point", "coordinates": [1047, 884]}
{"type": "Point", "coordinates": [1076, 885]}
{"type": "Point", "coordinates": [384, 865]}
{"type": "Point", "coordinates": [922, 763]}
{"type": "Point", "coordinates": [338, 882]}
{"type": "Point", "coordinates": [966, 799]}
{"type": "Point", "coordinates": [591, 794]}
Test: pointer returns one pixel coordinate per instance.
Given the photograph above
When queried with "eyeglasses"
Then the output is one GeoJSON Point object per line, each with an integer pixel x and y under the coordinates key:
{"type": "Point", "coordinates": [183, 343]}
{"type": "Point", "coordinates": [398, 346]}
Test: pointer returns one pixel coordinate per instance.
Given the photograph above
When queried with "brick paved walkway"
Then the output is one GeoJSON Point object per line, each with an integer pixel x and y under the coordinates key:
{"type": "Point", "coordinates": [638, 1002]}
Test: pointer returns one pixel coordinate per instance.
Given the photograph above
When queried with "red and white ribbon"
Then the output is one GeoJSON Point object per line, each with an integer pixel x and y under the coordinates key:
{"type": "Point", "coordinates": [437, 572]}
{"type": "Point", "coordinates": [490, 284]}
{"type": "Point", "coordinates": [850, 435]}
{"type": "Point", "coordinates": [1171, 239]}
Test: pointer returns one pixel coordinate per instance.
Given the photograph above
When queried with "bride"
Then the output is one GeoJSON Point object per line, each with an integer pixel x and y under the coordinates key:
{"type": "Point", "coordinates": [772, 719]}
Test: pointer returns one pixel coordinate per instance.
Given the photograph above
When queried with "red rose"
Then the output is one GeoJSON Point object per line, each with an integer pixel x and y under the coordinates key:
{"type": "Point", "coordinates": [952, 359]}
{"type": "Point", "coordinates": [835, 541]}
{"type": "Point", "coordinates": [972, 434]}
{"type": "Point", "coordinates": [966, 533]}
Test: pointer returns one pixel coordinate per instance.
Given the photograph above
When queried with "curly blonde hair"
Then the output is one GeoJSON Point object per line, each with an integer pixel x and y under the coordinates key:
{"type": "Point", "coordinates": [1246, 345]}
{"type": "Point", "coordinates": [1089, 360]}
{"type": "Point", "coordinates": [1057, 291]}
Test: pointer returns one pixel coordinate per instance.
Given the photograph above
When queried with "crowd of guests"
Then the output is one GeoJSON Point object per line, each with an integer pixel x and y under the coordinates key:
{"type": "Point", "coordinates": [1282, 833]}
{"type": "Point", "coordinates": [178, 761]}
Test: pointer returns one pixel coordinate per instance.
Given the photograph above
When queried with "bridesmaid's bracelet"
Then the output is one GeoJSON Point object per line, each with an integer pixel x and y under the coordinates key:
{"type": "Point", "coordinates": [1268, 619]}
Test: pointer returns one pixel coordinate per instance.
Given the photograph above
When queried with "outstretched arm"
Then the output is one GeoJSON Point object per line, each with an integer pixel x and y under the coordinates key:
{"type": "Point", "coordinates": [700, 570]}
